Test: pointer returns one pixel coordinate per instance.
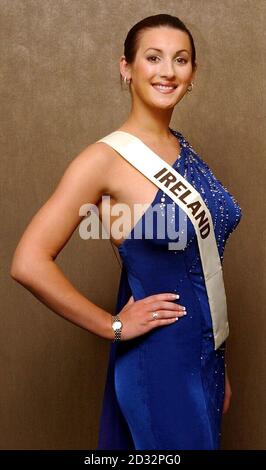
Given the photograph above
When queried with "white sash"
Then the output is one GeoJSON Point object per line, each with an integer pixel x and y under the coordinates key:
{"type": "Point", "coordinates": [185, 195]}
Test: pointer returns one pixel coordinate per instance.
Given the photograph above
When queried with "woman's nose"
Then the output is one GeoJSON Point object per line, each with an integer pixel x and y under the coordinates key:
{"type": "Point", "coordinates": [167, 70]}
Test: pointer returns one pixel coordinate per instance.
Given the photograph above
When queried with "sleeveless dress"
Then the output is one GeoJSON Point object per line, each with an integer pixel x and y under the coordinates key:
{"type": "Point", "coordinates": [165, 389]}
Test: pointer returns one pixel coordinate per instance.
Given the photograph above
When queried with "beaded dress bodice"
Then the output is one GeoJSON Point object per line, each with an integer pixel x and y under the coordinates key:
{"type": "Point", "coordinates": [225, 210]}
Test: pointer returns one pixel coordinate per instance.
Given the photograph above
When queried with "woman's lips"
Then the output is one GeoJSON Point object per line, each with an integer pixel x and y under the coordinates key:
{"type": "Point", "coordinates": [164, 89]}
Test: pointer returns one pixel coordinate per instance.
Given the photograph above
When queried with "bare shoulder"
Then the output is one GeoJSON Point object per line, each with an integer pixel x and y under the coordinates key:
{"type": "Point", "coordinates": [108, 160]}
{"type": "Point", "coordinates": [105, 152]}
{"type": "Point", "coordinates": [96, 156]}
{"type": "Point", "coordinates": [99, 160]}
{"type": "Point", "coordinates": [88, 174]}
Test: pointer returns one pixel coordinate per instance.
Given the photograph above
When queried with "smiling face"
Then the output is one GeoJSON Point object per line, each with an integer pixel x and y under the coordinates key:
{"type": "Point", "coordinates": [163, 58]}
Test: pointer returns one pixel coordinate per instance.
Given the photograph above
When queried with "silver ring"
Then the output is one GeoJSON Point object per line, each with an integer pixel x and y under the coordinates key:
{"type": "Point", "coordinates": [154, 315]}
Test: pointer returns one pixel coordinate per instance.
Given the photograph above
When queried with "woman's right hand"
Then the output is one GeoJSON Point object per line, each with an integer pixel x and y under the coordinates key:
{"type": "Point", "coordinates": [137, 319]}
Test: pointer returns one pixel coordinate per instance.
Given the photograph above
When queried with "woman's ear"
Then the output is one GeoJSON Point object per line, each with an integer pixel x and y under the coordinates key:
{"type": "Point", "coordinates": [124, 67]}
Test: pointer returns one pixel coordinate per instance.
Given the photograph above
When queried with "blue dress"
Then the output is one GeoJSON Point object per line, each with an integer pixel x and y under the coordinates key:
{"type": "Point", "coordinates": [165, 389]}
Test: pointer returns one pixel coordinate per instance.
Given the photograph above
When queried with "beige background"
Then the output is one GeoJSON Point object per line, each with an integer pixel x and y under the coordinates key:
{"type": "Point", "coordinates": [60, 91]}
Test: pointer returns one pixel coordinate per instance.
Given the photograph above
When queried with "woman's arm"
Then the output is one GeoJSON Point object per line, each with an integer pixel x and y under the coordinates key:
{"type": "Point", "coordinates": [33, 264]}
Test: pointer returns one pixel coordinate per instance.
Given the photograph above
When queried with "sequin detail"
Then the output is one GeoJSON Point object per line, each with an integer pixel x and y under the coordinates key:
{"type": "Point", "coordinates": [223, 208]}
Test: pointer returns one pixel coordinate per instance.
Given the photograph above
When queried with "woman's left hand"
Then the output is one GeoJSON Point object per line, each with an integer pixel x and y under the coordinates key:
{"type": "Point", "coordinates": [228, 393]}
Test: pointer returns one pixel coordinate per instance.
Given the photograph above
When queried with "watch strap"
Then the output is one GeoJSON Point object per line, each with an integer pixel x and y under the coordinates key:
{"type": "Point", "coordinates": [117, 333]}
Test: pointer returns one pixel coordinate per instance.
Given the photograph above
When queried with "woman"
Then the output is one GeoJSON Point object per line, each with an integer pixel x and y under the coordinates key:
{"type": "Point", "coordinates": [166, 385]}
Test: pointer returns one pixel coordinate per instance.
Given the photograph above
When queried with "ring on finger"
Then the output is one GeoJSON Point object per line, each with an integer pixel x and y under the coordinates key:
{"type": "Point", "coordinates": [154, 315]}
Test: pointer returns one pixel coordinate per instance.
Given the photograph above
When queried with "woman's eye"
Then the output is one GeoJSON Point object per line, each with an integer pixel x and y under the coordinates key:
{"type": "Point", "coordinates": [152, 57]}
{"type": "Point", "coordinates": [179, 59]}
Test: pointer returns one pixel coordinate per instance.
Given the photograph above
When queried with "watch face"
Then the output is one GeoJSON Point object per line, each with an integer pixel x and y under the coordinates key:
{"type": "Point", "coordinates": [117, 325]}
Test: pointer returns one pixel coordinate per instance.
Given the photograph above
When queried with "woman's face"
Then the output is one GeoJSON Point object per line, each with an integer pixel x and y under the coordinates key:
{"type": "Point", "coordinates": [169, 64]}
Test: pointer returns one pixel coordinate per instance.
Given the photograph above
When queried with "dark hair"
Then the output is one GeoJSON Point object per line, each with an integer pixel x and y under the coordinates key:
{"type": "Point", "coordinates": [133, 36]}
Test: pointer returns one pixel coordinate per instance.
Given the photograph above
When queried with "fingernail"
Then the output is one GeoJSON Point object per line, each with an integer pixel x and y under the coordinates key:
{"type": "Point", "coordinates": [176, 318]}
{"type": "Point", "coordinates": [177, 296]}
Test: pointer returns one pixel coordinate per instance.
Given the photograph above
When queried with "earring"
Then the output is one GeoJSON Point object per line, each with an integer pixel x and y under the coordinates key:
{"type": "Point", "coordinates": [125, 80]}
{"type": "Point", "coordinates": [191, 86]}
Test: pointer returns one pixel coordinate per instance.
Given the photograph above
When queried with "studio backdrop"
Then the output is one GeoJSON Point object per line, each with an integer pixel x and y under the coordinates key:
{"type": "Point", "coordinates": [60, 91]}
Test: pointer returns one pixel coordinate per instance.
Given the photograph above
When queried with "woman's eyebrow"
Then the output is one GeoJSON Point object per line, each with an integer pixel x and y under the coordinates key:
{"type": "Point", "coordinates": [159, 50]}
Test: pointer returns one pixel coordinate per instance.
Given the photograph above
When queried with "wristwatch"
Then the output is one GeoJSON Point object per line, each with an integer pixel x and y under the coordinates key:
{"type": "Point", "coordinates": [117, 327]}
